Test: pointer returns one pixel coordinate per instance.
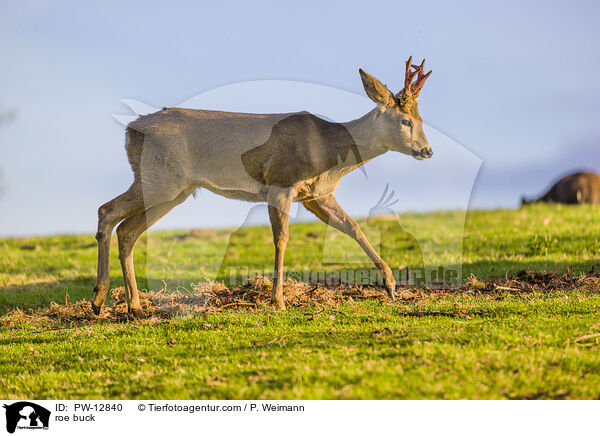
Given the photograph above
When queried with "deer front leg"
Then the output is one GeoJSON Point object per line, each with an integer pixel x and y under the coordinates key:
{"type": "Point", "coordinates": [331, 213]}
{"type": "Point", "coordinates": [279, 209]}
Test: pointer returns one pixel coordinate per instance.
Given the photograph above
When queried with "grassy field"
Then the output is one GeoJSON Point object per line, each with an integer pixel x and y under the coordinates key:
{"type": "Point", "coordinates": [463, 344]}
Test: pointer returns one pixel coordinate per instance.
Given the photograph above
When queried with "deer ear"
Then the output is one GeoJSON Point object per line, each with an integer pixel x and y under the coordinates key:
{"type": "Point", "coordinates": [376, 90]}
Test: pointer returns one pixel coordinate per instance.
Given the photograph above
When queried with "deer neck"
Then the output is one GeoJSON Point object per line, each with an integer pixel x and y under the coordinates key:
{"type": "Point", "coordinates": [363, 132]}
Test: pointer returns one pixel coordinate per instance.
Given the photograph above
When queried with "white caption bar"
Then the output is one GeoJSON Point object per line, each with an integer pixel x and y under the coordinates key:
{"type": "Point", "coordinates": [301, 417]}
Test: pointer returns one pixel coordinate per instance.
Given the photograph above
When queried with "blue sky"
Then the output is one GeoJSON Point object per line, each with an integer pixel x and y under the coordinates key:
{"type": "Point", "coordinates": [515, 83]}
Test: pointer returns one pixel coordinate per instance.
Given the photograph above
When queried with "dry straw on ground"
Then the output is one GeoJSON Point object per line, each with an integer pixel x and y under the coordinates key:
{"type": "Point", "coordinates": [206, 297]}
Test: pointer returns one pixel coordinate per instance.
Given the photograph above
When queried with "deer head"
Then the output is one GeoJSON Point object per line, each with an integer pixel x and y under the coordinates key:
{"type": "Point", "coordinates": [397, 123]}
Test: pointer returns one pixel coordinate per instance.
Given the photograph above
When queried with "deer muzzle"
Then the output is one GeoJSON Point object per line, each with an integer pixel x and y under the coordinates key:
{"type": "Point", "coordinates": [424, 153]}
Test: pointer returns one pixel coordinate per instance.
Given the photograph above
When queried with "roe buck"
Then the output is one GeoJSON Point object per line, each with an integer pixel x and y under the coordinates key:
{"type": "Point", "coordinates": [576, 188]}
{"type": "Point", "coordinates": [277, 158]}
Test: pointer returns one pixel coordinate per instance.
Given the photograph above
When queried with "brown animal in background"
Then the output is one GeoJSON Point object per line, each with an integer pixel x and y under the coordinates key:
{"type": "Point", "coordinates": [577, 188]}
{"type": "Point", "coordinates": [276, 158]}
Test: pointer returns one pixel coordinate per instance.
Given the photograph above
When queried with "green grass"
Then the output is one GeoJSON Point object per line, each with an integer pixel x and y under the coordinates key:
{"type": "Point", "coordinates": [524, 347]}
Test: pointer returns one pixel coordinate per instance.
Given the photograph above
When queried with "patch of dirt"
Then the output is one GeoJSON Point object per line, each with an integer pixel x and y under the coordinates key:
{"type": "Point", "coordinates": [210, 296]}
{"type": "Point", "coordinates": [536, 281]}
{"type": "Point", "coordinates": [254, 294]}
{"type": "Point", "coordinates": [203, 298]}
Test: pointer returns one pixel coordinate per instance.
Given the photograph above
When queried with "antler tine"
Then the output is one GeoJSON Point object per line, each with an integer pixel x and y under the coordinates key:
{"type": "Point", "coordinates": [420, 80]}
{"type": "Point", "coordinates": [408, 75]}
{"type": "Point", "coordinates": [419, 67]}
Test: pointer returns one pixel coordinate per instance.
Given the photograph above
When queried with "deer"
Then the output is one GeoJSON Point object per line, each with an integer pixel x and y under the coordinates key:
{"type": "Point", "coordinates": [576, 188]}
{"type": "Point", "coordinates": [274, 158]}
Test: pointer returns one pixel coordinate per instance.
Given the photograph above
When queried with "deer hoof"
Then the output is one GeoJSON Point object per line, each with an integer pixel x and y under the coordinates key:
{"type": "Point", "coordinates": [390, 292]}
{"type": "Point", "coordinates": [96, 309]}
{"type": "Point", "coordinates": [279, 305]}
{"type": "Point", "coordinates": [137, 313]}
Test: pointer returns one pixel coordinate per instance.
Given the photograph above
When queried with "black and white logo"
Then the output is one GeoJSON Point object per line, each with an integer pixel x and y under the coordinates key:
{"type": "Point", "coordinates": [26, 415]}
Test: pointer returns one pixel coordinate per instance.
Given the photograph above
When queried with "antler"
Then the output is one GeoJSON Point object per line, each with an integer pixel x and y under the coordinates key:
{"type": "Point", "coordinates": [409, 86]}
{"type": "Point", "coordinates": [408, 75]}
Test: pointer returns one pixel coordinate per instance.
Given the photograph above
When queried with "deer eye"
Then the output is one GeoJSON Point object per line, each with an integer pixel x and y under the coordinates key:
{"type": "Point", "coordinates": [407, 123]}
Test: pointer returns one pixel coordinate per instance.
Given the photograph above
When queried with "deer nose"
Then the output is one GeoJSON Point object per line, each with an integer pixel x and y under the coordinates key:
{"type": "Point", "coordinates": [426, 153]}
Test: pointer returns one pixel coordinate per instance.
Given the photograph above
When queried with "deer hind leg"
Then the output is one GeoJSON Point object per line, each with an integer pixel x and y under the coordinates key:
{"type": "Point", "coordinates": [109, 215]}
{"type": "Point", "coordinates": [128, 233]}
{"type": "Point", "coordinates": [279, 210]}
{"type": "Point", "coordinates": [331, 213]}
